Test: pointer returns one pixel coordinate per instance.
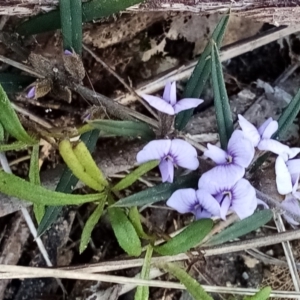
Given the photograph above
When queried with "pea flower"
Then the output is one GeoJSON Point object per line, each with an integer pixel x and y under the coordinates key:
{"type": "Point", "coordinates": [170, 153]}
{"type": "Point", "coordinates": [262, 137]}
{"type": "Point", "coordinates": [231, 163]}
{"type": "Point", "coordinates": [168, 103]}
{"type": "Point", "coordinates": [239, 196]}
{"type": "Point", "coordinates": [190, 200]}
{"type": "Point", "coordinates": [31, 93]}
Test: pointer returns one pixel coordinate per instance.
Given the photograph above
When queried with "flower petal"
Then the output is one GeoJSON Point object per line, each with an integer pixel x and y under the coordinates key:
{"type": "Point", "coordinates": [184, 154]}
{"type": "Point", "coordinates": [225, 206]}
{"type": "Point", "coordinates": [167, 92]}
{"type": "Point", "coordinates": [249, 131]}
{"type": "Point", "coordinates": [293, 152]}
{"type": "Point", "coordinates": [166, 168]}
{"type": "Point", "coordinates": [183, 200]}
{"type": "Point", "coordinates": [243, 200]}
{"type": "Point", "coordinates": [68, 52]}
{"type": "Point", "coordinates": [240, 148]}
{"type": "Point", "coordinates": [283, 177]}
{"type": "Point", "coordinates": [216, 154]}
{"type": "Point", "coordinates": [186, 103]}
{"type": "Point", "coordinates": [293, 166]}
{"type": "Point", "coordinates": [273, 146]}
{"type": "Point", "coordinates": [201, 213]}
{"type": "Point", "coordinates": [264, 125]}
{"type": "Point", "coordinates": [157, 149]}
{"type": "Point", "coordinates": [208, 202]}
{"type": "Point", "coordinates": [221, 178]}
{"type": "Point", "coordinates": [31, 93]}
{"type": "Point", "coordinates": [270, 129]}
{"type": "Point", "coordinates": [159, 104]}
{"type": "Point", "coordinates": [173, 96]}
{"type": "Point", "coordinates": [291, 204]}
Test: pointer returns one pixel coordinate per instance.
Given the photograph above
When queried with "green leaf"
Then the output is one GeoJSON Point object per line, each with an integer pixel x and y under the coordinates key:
{"type": "Point", "coordinates": [222, 107]}
{"type": "Point", "coordinates": [10, 121]}
{"type": "Point", "coordinates": [191, 284]}
{"type": "Point", "coordinates": [263, 294]}
{"type": "Point", "coordinates": [89, 226]}
{"type": "Point", "coordinates": [34, 177]}
{"type": "Point", "coordinates": [142, 292]}
{"type": "Point", "coordinates": [242, 227]}
{"type": "Point", "coordinates": [2, 135]}
{"type": "Point", "coordinates": [201, 73]}
{"type": "Point", "coordinates": [124, 232]}
{"type": "Point", "coordinates": [135, 175]}
{"type": "Point", "coordinates": [71, 24]}
{"type": "Point", "coordinates": [187, 239]}
{"type": "Point", "coordinates": [66, 184]}
{"type": "Point", "coordinates": [160, 192]}
{"type": "Point", "coordinates": [91, 10]}
{"type": "Point", "coordinates": [13, 83]}
{"type": "Point", "coordinates": [13, 146]}
{"type": "Point", "coordinates": [124, 128]}
{"type": "Point", "coordinates": [288, 116]}
{"type": "Point", "coordinates": [14, 186]}
{"type": "Point", "coordinates": [135, 218]}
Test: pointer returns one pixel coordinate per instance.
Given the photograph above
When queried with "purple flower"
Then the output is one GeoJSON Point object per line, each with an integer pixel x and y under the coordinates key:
{"type": "Point", "coordinates": [68, 52]}
{"type": "Point", "coordinates": [261, 137]}
{"type": "Point", "coordinates": [291, 204]}
{"type": "Point", "coordinates": [31, 93]}
{"type": "Point", "coordinates": [231, 164]}
{"type": "Point", "coordinates": [170, 153]}
{"type": "Point", "coordinates": [168, 103]}
{"type": "Point", "coordinates": [189, 200]}
{"type": "Point", "coordinates": [239, 197]}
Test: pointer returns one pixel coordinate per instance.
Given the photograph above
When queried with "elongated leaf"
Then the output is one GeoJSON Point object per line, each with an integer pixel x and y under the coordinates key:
{"type": "Point", "coordinates": [13, 146]}
{"type": "Point", "coordinates": [91, 10]}
{"type": "Point", "coordinates": [124, 128]}
{"type": "Point", "coordinates": [14, 186]}
{"type": "Point", "coordinates": [160, 192]}
{"type": "Point", "coordinates": [192, 286]}
{"type": "Point", "coordinates": [135, 219]}
{"type": "Point", "coordinates": [142, 292]}
{"type": "Point", "coordinates": [13, 83]}
{"type": "Point", "coordinates": [34, 177]}
{"type": "Point", "coordinates": [135, 175]}
{"type": "Point", "coordinates": [66, 23]}
{"type": "Point", "coordinates": [66, 184]}
{"type": "Point", "coordinates": [222, 107]}
{"type": "Point", "coordinates": [89, 226]}
{"type": "Point", "coordinates": [187, 239]}
{"type": "Point", "coordinates": [242, 227]}
{"type": "Point", "coordinates": [288, 116]}
{"type": "Point", "coordinates": [10, 121]}
{"type": "Point", "coordinates": [124, 232]}
{"type": "Point", "coordinates": [2, 136]}
{"type": "Point", "coordinates": [201, 73]}
{"type": "Point", "coordinates": [263, 294]}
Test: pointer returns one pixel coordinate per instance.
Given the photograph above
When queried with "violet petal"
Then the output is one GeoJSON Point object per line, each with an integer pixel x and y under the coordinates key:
{"type": "Point", "coordinates": [249, 131]}
{"type": "Point", "coordinates": [31, 93]}
{"type": "Point", "coordinates": [240, 148]}
{"type": "Point", "coordinates": [270, 129]}
{"type": "Point", "coordinates": [283, 177]}
{"type": "Point", "coordinates": [201, 213]}
{"type": "Point", "coordinates": [225, 206]}
{"type": "Point", "coordinates": [293, 166]}
{"type": "Point", "coordinates": [264, 125]}
{"type": "Point", "coordinates": [167, 92]}
{"type": "Point", "coordinates": [186, 103]}
{"type": "Point", "coordinates": [218, 155]}
{"type": "Point", "coordinates": [173, 96]}
{"type": "Point", "coordinates": [166, 168]}
{"type": "Point", "coordinates": [243, 201]}
{"type": "Point", "coordinates": [208, 202]}
{"type": "Point", "coordinates": [184, 154]}
{"type": "Point", "coordinates": [157, 149]}
{"type": "Point", "coordinates": [183, 200]}
{"type": "Point", "coordinates": [273, 146]}
{"type": "Point", "coordinates": [68, 52]}
{"type": "Point", "coordinates": [159, 104]}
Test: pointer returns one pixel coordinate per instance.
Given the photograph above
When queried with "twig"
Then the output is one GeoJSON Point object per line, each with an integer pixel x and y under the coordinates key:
{"type": "Point", "coordinates": [110, 70]}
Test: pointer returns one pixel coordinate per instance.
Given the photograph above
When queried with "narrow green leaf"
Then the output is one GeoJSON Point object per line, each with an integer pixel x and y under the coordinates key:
{"type": "Point", "coordinates": [222, 107]}
{"type": "Point", "coordinates": [201, 73]}
{"type": "Point", "coordinates": [160, 192]}
{"type": "Point", "coordinates": [242, 227]}
{"type": "Point", "coordinates": [66, 23]}
{"type": "Point", "coordinates": [142, 292]}
{"type": "Point", "coordinates": [14, 186]}
{"type": "Point", "coordinates": [187, 239]}
{"type": "Point", "coordinates": [13, 146]}
{"type": "Point", "coordinates": [135, 175]}
{"type": "Point", "coordinates": [89, 226]}
{"type": "Point", "coordinates": [135, 218]}
{"type": "Point", "coordinates": [34, 177]}
{"type": "Point", "coordinates": [10, 121]}
{"type": "Point", "coordinates": [2, 135]}
{"type": "Point", "coordinates": [191, 284]}
{"type": "Point", "coordinates": [124, 232]}
{"type": "Point", "coordinates": [66, 184]}
{"type": "Point", "coordinates": [91, 10]}
{"type": "Point", "coordinates": [263, 294]}
{"type": "Point", "coordinates": [124, 128]}
{"type": "Point", "coordinates": [288, 116]}
{"type": "Point", "coordinates": [13, 83]}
